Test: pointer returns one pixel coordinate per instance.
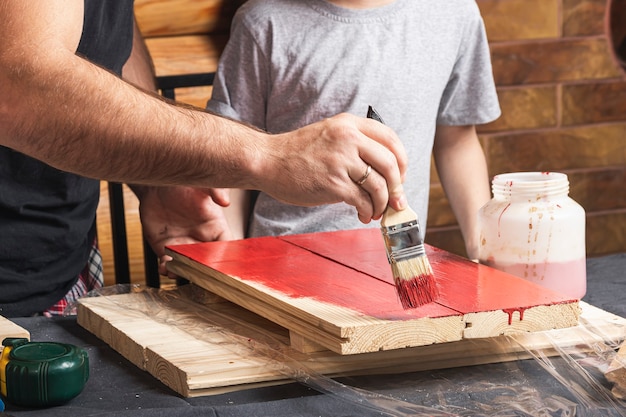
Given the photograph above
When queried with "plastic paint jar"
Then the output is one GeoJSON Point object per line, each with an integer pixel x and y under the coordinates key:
{"type": "Point", "coordinates": [532, 229]}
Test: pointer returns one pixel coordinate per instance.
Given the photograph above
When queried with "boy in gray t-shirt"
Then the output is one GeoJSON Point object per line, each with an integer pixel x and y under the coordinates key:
{"type": "Point", "coordinates": [423, 65]}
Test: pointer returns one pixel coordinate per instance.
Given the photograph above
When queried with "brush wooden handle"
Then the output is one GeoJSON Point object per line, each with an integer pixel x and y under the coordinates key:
{"type": "Point", "coordinates": [392, 217]}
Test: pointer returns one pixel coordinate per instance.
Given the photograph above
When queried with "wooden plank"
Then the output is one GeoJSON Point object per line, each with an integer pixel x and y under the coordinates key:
{"type": "Point", "coordinates": [208, 349]}
{"type": "Point", "coordinates": [134, 235]}
{"type": "Point", "coordinates": [158, 341]}
{"type": "Point", "coordinates": [467, 287]}
{"type": "Point", "coordinates": [337, 328]}
{"type": "Point", "coordinates": [10, 329]}
{"type": "Point", "coordinates": [302, 344]}
{"type": "Point", "coordinates": [336, 288]}
{"type": "Point", "coordinates": [185, 54]}
{"type": "Point", "coordinates": [184, 17]}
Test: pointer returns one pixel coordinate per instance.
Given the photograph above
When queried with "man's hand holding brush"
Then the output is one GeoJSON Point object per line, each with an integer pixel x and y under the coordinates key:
{"type": "Point", "coordinates": [406, 253]}
{"type": "Point", "coordinates": [358, 161]}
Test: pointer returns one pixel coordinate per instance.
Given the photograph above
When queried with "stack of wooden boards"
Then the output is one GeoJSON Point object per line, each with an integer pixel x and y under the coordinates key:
{"type": "Point", "coordinates": [325, 301]}
{"type": "Point", "coordinates": [336, 289]}
{"type": "Point", "coordinates": [203, 349]}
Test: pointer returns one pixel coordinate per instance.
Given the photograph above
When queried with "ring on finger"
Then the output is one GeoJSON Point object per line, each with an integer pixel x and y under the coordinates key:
{"type": "Point", "coordinates": [368, 171]}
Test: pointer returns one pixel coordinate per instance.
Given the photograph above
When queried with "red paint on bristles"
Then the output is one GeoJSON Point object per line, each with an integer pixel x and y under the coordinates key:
{"type": "Point", "coordinates": [415, 283]}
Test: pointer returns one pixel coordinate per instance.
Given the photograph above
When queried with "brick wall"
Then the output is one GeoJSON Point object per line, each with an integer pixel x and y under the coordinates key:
{"type": "Point", "coordinates": [562, 91]}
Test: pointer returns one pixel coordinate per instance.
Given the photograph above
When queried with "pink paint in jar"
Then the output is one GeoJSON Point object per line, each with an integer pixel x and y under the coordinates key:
{"type": "Point", "coordinates": [531, 228]}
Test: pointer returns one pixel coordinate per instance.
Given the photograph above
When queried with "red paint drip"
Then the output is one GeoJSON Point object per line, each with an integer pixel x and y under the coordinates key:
{"type": "Point", "coordinates": [500, 217]}
{"type": "Point", "coordinates": [510, 312]}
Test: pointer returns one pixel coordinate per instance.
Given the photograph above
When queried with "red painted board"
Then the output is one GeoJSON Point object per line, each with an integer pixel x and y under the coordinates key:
{"type": "Point", "coordinates": [471, 287]}
{"type": "Point", "coordinates": [297, 272]}
{"type": "Point", "coordinates": [245, 249]}
{"type": "Point", "coordinates": [464, 286]}
{"type": "Point", "coordinates": [350, 269]}
{"type": "Point", "coordinates": [362, 250]}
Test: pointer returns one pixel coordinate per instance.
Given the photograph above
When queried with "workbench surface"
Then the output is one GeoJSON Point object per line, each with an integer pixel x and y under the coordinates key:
{"type": "Point", "coordinates": [118, 388]}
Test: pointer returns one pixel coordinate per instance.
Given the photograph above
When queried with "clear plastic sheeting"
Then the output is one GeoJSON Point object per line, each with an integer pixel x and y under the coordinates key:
{"type": "Point", "coordinates": [565, 377]}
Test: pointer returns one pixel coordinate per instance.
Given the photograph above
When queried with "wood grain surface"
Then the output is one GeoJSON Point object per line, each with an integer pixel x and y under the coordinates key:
{"type": "Point", "coordinates": [10, 329]}
{"type": "Point", "coordinates": [201, 348]}
{"type": "Point", "coordinates": [336, 289]}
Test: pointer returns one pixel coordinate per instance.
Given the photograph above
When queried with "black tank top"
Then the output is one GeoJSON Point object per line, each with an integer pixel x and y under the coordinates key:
{"type": "Point", "coordinates": [47, 216]}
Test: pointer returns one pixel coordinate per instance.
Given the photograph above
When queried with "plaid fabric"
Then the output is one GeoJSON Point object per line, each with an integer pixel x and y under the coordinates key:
{"type": "Point", "coordinates": [90, 278]}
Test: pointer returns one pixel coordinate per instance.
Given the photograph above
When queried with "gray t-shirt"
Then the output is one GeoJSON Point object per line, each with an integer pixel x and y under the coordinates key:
{"type": "Point", "coordinates": [418, 63]}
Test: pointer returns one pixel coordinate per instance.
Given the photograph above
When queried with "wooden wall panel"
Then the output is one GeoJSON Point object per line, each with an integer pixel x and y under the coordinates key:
{"type": "Point", "coordinates": [184, 17]}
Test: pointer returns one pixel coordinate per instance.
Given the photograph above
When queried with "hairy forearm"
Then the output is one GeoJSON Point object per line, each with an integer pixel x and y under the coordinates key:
{"type": "Point", "coordinates": [71, 114]}
{"type": "Point", "coordinates": [94, 124]}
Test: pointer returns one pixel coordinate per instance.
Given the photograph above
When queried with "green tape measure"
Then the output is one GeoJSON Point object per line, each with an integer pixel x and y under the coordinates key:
{"type": "Point", "coordinates": [41, 374]}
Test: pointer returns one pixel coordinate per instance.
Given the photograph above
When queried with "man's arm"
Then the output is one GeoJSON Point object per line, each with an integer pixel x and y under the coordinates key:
{"type": "Point", "coordinates": [463, 174]}
{"type": "Point", "coordinates": [171, 214]}
{"type": "Point", "coordinates": [75, 116]}
{"type": "Point", "coordinates": [56, 100]}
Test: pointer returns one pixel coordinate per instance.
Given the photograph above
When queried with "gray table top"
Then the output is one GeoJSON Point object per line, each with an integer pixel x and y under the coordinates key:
{"type": "Point", "coordinates": [520, 388]}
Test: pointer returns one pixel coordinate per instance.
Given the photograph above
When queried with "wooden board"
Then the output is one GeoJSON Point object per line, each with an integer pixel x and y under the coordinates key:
{"type": "Point", "coordinates": [202, 349]}
{"type": "Point", "coordinates": [336, 288]}
{"type": "Point", "coordinates": [10, 329]}
{"type": "Point", "coordinates": [184, 17]}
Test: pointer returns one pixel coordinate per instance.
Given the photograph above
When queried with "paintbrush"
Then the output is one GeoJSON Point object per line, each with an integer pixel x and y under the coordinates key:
{"type": "Point", "coordinates": [412, 273]}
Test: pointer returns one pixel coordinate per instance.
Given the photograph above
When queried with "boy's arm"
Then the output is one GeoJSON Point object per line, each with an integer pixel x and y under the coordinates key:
{"type": "Point", "coordinates": [462, 170]}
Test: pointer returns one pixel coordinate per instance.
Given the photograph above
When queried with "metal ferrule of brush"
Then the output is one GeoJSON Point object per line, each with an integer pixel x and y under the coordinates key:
{"type": "Point", "coordinates": [403, 241]}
